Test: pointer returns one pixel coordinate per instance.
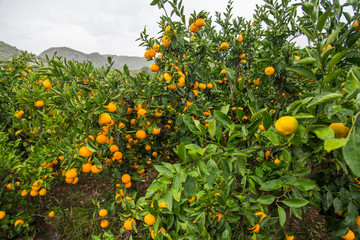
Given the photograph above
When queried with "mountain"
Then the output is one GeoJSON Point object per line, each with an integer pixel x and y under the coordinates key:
{"type": "Point", "coordinates": [7, 52]}
{"type": "Point", "coordinates": [133, 63]}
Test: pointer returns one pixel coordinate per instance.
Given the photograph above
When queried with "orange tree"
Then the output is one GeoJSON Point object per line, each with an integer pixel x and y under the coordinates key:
{"type": "Point", "coordinates": [246, 130]}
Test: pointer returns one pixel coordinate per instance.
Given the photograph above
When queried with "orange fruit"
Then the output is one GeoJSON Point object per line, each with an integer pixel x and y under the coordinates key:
{"type": "Point", "coordinates": [224, 45]}
{"type": "Point", "coordinates": [96, 168]}
{"type": "Point", "coordinates": [104, 118]}
{"type": "Point", "coordinates": [149, 219]}
{"type": "Point", "coordinates": [101, 139]}
{"type": "Point", "coordinates": [128, 224]}
{"type": "Point", "coordinates": [111, 107]}
{"type": "Point", "coordinates": [103, 213]}
{"type": "Point", "coordinates": [154, 67]}
{"type": "Point", "coordinates": [104, 224]}
{"type": "Point", "coordinates": [51, 214]}
{"type": "Point", "coordinates": [19, 222]}
{"type": "Point", "coordinates": [242, 56]}
{"type": "Point", "coordinates": [240, 39]}
{"type": "Point", "coordinates": [39, 104]}
{"type": "Point", "coordinates": [147, 147]}
{"type": "Point", "coordinates": [341, 131]}
{"type": "Point", "coordinates": [262, 128]}
{"type": "Point", "coordinates": [42, 192]}
{"type": "Point", "coordinates": [71, 173]}
{"type": "Point", "coordinates": [155, 131]}
{"type": "Point", "coordinates": [199, 22]}
{"type": "Point", "coordinates": [141, 112]}
{"type": "Point", "coordinates": [69, 180]}
{"type": "Point", "coordinates": [289, 237]}
{"type": "Point", "coordinates": [349, 236]}
{"type": "Point", "coordinates": [165, 41]}
{"type": "Point", "coordinates": [171, 86]}
{"type": "Point", "coordinates": [195, 93]}
{"type": "Point", "coordinates": [140, 134]}
{"type": "Point", "coordinates": [126, 178]}
{"type": "Point", "coordinates": [24, 193]}
{"type": "Point", "coordinates": [85, 168]}
{"type": "Point", "coordinates": [156, 47]}
{"type": "Point", "coordinates": [356, 25]}
{"type": "Point", "coordinates": [118, 155]}
{"type": "Point", "coordinates": [162, 205]}
{"type": "Point", "coordinates": [75, 181]}
{"type": "Point", "coordinates": [191, 199]}
{"type": "Point", "coordinates": [47, 84]}
{"type": "Point", "coordinates": [34, 193]}
{"type": "Point", "coordinates": [140, 171]}
{"type": "Point", "coordinates": [2, 214]}
{"type": "Point", "coordinates": [276, 161]}
{"type": "Point", "coordinates": [114, 148]}
{"type": "Point", "coordinates": [209, 85]}
{"type": "Point", "coordinates": [269, 71]}
{"type": "Point", "coordinates": [85, 152]}
{"type": "Point", "coordinates": [167, 77]}
{"type": "Point", "coordinates": [193, 28]}
{"type": "Point", "coordinates": [202, 86]}
{"type": "Point", "coordinates": [286, 125]}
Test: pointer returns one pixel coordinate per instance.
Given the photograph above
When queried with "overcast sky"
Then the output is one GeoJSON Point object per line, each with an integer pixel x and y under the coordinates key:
{"type": "Point", "coordinates": [104, 26]}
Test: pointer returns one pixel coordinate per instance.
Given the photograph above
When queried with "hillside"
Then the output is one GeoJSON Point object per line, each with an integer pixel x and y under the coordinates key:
{"type": "Point", "coordinates": [7, 51]}
{"type": "Point", "coordinates": [97, 59]}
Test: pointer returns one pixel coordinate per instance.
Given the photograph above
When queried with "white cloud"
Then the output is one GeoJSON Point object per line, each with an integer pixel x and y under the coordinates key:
{"type": "Point", "coordinates": [105, 26]}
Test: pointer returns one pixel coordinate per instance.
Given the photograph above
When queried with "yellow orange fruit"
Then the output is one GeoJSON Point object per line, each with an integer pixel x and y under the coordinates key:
{"type": "Point", "coordinates": [51, 214]}
{"type": "Point", "coordinates": [85, 168]}
{"type": "Point", "coordinates": [162, 205]}
{"type": "Point", "coordinates": [104, 118]}
{"type": "Point", "coordinates": [165, 41]}
{"type": "Point", "coordinates": [118, 155]}
{"type": "Point", "coordinates": [341, 131]}
{"type": "Point", "coordinates": [193, 28]}
{"type": "Point", "coordinates": [240, 39]}
{"type": "Point", "coordinates": [21, 222]}
{"type": "Point", "coordinates": [85, 152]}
{"type": "Point", "coordinates": [149, 219]}
{"type": "Point", "coordinates": [286, 125]}
{"type": "Point", "coordinates": [96, 168]}
{"type": "Point", "coordinates": [2, 214]}
{"type": "Point", "coordinates": [269, 71]}
{"type": "Point", "coordinates": [224, 45]}
{"type": "Point", "coordinates": [128, 224]}
{"type": "Point", "coordinates": [140, 134]}
{"type": "Point", "coordinates": [111, 107]}
{"type": "Point", "coordinates": [202, 86]}
{"type": "Point", "coordinates": [39, 104]}
{"type": "Point", "coordinates": [104, 224]}
{"type": "Point", "coordinates": [47, 84]}
{"type": "Point", "coordinates": [200, 22]}
{"type": "Point", "coordinates": [71, 173]}
{"type": "Point", "coordinates": [101, 139]}
{"type": "Point", "coordinates": [349, 236]}
{"type": "Point", "coordinates": [42, 192]}
{"type": "Point", "coordinates": [114, 148]}
{"type": "Point", "coordinates": [289, 237]}
{"type": "Point", "coordinates": [103, 213]}
{"type": "Point", "coordinates": [24, 193]}
{"type": "Point", "coordinates": [154, 67]}
{"type": "Point", "coordinates": [126, 178]}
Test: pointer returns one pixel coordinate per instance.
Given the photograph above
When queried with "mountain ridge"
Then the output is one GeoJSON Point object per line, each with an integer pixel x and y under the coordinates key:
{"type": "Point", "coordinates": [134, 63]}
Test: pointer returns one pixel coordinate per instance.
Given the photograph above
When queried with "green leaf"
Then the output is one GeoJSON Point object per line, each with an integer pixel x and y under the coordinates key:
{"type": "Point", "coordinates": [189, 187]}
{"type": "Point", "coordinates": [304, 184]}
{"type": "Point", "coordinates": [307, 32]}
{"type": "Point", "coordinates": [322, 19]}
{"type": "Point", "coordinates": [351, 153]}
{"type": "Point", "coordinates": [324, 133]}
{"type": "Point", "coordinates": [164, 171]}
{"type": "Point", "coordinates": [333, 35]}
{"type": "Point", "coordinates": [257, 114]}
{"type": "Point", "coordinates": [308, 60]}
{"type": "Point", "coordinates": [201, 165]}
{"type": "Point", "coordinates": [272, 185]}
{"type": "Point", "coordinates": [304, 71]}
{"type": "Point", "coordinates": [335, 59]}
{"type": "Point", "coordinates": [323, 97]}
{"type": "Point", "coordinates": [182, 151]}
{"type": "Point", "coordinates": [303, 115]}
{"type": "Point", "coordinates": [266, 200]}
{"type": "Point", "coordinates": [282, 216]}
{"type": "Point", "coordinates": [333, 75]}
{"type": "Point", "coordinates": [335, 143]}
{"type": "Point", "coordinates": [212, 128]}
{"type": "Point", "coordinates": [295, 202]}
{"type": "Point", "coordinates": [273, 137]}
{"type": "Point", "coordinates": [168, 200]}
{"type": "Point", "coordinates": [241, 165]}
{"type": "Point", "coordinates": [223, 119]}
